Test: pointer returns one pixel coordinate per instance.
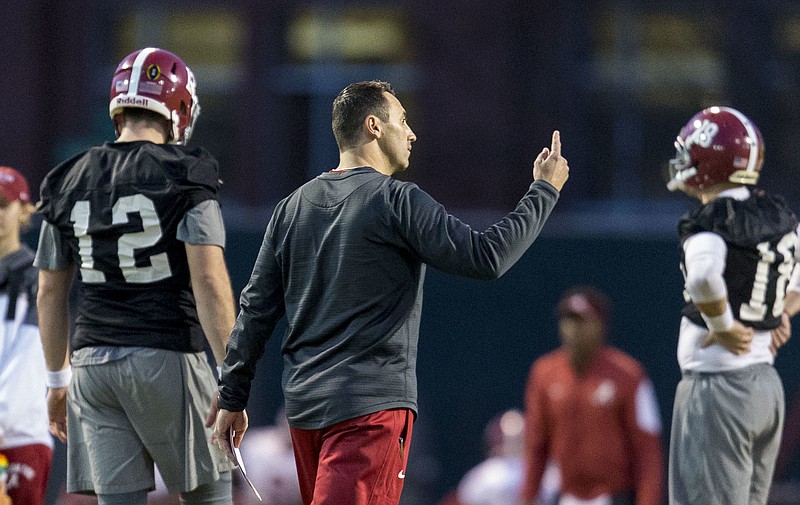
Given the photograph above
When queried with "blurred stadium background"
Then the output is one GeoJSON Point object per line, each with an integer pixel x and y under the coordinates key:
{"type": "Point", "coordinates": [484, 84]}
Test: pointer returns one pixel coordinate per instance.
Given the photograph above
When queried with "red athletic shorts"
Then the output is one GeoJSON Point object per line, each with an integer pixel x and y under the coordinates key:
{"type": "Point", "coordinates": [360, 461]}
{"type": "Point", "coordinates": [28, 470]}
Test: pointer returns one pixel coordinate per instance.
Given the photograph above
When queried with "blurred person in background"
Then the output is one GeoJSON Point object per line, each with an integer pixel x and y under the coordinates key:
{"type": "Point", "coordinates": [497, 480]}
{"type": "Point", "coordinates": [269, 459]}
{"type": "Point", "coordinates": [739, 247]}
{"type": "Point", "coordinates": [24, 438]}
{"type": "Point", "coordinates": [138, 220]}
{"type": "Point", "coordinates": [344, 258]}
{"type": "Point", "coordinates": [592, 410]}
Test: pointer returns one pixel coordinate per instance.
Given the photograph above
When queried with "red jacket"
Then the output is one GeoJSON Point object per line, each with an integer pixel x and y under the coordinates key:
{"type": "Point", "coordinates": [591, 427]}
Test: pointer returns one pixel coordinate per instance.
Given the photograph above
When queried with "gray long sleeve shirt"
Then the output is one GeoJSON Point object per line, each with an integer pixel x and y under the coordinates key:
{"type": "Point", "coordinates": [344, 259]}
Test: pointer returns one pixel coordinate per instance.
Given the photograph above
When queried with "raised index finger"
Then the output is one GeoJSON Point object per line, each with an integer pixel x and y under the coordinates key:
{"type": "Point", "coordinates": [555, 146]}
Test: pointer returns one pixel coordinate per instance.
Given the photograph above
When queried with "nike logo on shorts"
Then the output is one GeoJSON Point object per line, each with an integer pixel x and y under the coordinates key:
{"type": "Point", "coordinates": [401, 475]}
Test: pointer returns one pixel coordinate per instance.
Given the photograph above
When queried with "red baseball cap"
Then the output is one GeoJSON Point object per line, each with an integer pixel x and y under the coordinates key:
{"type": "Point", "coordinates": [585, 301]}
{"type": "Point", "coordinates": [13, 186]}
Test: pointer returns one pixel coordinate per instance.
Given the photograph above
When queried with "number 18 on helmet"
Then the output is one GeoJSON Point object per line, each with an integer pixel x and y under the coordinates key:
{"type": "Point", "coordinates": [717, 145]}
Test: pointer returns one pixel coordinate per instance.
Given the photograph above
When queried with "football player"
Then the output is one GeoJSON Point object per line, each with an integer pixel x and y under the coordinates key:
{"type": "Point", "coordinates": [138, 221]}
{"type": "Point", "coordinates": [738, 252]}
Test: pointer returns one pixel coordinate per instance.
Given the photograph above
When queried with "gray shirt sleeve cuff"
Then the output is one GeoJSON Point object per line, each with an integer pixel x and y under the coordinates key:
{"type": "Point", "coordinates": [203, 225]}
{"type": "Point", "coordinates": [52, 252]}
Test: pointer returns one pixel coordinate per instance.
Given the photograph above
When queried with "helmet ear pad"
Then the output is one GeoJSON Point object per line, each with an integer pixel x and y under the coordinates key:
{"type": "Point", "coordinates": [718, 144]}
{"type": "Point", "coordinates": [155, 79]}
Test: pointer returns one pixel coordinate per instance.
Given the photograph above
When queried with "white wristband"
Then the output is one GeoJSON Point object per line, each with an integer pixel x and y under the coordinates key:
{"type": "Point", "coordinates": [722, 322]}
{"type": "Point", "coordinates": [59, 379]}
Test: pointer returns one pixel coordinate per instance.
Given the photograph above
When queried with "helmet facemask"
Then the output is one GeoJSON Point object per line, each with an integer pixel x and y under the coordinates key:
{"type": "Point", "coordinates": [680, 167]}
{"type": "Point", "coordinates": [194, 112]}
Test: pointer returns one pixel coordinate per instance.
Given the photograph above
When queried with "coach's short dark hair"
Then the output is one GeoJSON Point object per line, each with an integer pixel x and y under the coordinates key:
{"type": "Point", "coordinates": [353, 104]}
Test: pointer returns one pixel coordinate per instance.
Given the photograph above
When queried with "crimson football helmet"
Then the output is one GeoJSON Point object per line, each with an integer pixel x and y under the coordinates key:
{"type": "Point", "coordinates": [157, 80]}
{"type": "Point", "coordinates": [718, 144]}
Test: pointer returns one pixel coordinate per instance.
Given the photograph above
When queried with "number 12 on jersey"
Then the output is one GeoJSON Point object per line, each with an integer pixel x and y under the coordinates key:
{"type": "Point", "coordinates": [127, 244]}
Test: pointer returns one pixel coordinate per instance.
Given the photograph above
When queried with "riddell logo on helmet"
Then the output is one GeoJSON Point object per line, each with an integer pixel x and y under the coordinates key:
{"type": "Point", "coordinates": [132, 100]}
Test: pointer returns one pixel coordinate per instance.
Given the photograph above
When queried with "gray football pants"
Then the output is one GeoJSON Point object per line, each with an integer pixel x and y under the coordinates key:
{"type": "Point", "coordinates": [726, 430]}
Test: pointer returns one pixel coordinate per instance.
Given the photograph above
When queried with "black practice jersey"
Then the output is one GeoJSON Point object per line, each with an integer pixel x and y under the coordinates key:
{"type": "Point", "coordinates": [117, 208]}
{"type": "Point", "coordinates": [760, 234]}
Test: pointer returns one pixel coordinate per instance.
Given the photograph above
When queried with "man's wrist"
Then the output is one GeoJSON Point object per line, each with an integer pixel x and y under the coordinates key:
{"type": "Point", "coordinates": [722, 322]}
{"type": "Point", "coordinates": [60, 378]}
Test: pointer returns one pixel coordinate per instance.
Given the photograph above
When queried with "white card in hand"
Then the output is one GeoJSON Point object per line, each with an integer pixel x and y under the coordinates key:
{"type": "Point", "coordinates": [238, 461]}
